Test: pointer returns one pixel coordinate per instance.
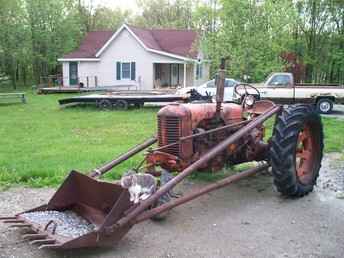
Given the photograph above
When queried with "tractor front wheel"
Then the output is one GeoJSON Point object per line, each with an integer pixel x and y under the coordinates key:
{"type": "Point", "coordinates": [296, 150]}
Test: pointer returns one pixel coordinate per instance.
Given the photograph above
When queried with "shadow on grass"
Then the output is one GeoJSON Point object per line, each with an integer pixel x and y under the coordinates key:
{"type": "Point", "coordinates": [208, 176]}
{"type": "Point", "coordinates": [93, 107]}
{"type": "Point", "coordinates": [9, 104]}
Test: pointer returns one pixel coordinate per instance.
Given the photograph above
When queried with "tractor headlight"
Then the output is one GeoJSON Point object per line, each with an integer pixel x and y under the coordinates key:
{"type": "Point", "coordinates": [250, 100]}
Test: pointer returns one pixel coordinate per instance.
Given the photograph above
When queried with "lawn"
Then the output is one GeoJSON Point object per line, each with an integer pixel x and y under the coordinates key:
{"type": "Point", "coordinates": [40, 142]}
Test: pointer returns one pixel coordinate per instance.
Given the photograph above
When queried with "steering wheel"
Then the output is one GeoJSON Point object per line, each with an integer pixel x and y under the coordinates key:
{"type": "Point", "coordinates": [244, 89]}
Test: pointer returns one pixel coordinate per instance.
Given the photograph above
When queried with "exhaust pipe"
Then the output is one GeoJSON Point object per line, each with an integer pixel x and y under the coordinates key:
{"type": "Point", "coordinates": [220, 86]}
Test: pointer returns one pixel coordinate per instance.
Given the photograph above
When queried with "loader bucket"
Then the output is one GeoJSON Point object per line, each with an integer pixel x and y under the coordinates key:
{"type": "Point", "coordinates": [80, 214]}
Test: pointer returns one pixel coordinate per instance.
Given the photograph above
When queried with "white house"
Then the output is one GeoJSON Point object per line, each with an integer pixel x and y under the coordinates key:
{"type": "Point", "coordinates": [136, 58]}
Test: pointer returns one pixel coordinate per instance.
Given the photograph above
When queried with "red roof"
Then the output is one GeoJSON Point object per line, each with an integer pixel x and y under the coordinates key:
{"type": "Point", "coordinates": [178, 42]}
{"type": "Point", "coordinates": [91, 44]}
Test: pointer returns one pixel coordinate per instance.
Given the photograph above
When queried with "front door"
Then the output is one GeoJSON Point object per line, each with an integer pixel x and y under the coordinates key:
{"type": "Point", "coordinates": [73, 73]}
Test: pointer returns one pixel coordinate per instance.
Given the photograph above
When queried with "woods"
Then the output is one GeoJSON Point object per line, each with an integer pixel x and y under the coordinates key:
{"type": "Point", "coordinates": [259, 37]}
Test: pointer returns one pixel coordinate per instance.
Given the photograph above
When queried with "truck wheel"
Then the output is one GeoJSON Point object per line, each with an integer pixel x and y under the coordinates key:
{"type": "Point", "coordinates": [121, 104]}
{"type": "Point", "coordinates": [296, 150]}
{"type": "Point", "coordinates": [104, 104]}
{"type": "Point", "coordinates": [324, 106]}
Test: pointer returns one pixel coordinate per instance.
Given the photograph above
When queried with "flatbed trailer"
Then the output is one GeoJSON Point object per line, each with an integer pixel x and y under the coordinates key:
{"type": "Point", "coordinates": [63, 90]}
{"type": "Point", "coordinates": [123, 100]}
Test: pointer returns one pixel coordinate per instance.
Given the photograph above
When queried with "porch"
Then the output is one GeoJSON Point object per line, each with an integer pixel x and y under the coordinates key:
{"type": "Point", "coordinates": [172, 75]}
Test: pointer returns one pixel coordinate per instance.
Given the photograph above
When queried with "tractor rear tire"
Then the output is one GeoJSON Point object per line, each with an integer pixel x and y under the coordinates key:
{"type": "Point", "coordinates": [296, 150]}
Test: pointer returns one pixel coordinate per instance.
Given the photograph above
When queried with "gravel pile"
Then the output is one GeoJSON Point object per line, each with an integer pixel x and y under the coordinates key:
{"type": "Point", "coordinates": [69, 224]}
{"type": "Point", "coordinates": [333, 181]}
{"type": "Point", "coordinates": [331, 177]}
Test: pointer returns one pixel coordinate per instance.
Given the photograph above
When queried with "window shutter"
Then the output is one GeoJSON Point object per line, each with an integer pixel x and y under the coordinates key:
{"type": "Point", "coordinates": [133, 71]}
{"type": "Point", "coordinates": [118, 71]}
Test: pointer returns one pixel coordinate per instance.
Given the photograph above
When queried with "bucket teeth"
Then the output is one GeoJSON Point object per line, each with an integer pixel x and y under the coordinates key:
{"type": "Point", "coordinates": [8, 221]}
{"type": "Point", "coordinates": [21, 225]}
{"type": "Point", "coordinates": [34, 236]}
{"type": "Point", "coordinates": [7, 218]}
{"type": "Point", "coordinates": [43, 241]}
{"type": "Point", "coordinates": [49, 246]}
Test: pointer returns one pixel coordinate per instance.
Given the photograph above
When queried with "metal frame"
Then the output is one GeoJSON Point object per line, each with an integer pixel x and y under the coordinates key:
{"type": "Point", "coordinates": [130, 218]}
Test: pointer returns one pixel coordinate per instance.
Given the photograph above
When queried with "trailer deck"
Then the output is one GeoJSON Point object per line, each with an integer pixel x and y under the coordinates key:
{"type": "Point", "coordinates": [54, 90]}
{"type": "Point", "coordinates": [123, 100]}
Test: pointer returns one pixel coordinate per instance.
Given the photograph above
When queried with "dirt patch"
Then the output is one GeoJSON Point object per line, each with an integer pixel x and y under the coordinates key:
{"type": "Point", "coordinates": [248, 219]}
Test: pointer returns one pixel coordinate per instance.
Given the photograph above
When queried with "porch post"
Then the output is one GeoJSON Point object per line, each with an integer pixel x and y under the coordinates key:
{"type": "Point", "coordinates": [184, 82]}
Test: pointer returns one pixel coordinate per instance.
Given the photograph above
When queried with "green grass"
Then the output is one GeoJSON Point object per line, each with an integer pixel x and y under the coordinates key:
{"type": "Point", "coordinates": [40, 143]}
{"type": "Point", "coordinates": [333, 132]}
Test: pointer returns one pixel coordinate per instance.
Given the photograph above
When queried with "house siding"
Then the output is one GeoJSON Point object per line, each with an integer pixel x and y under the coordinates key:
{"type": "Point", "coordinates": [88, 71]}
{"type": "Point", "coordinates": [65, 72]}
{"type": "Point", "coordinates": [125, 48]}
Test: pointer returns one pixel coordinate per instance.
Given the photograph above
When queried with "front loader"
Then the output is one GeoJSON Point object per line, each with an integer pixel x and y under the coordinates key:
{"type": "Point", "coordinates": [194, 137]}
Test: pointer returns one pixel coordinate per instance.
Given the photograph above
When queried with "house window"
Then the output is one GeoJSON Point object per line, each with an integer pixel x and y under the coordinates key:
{"type": "Point", "coordinates": [126, 71]}
{"type": "Point", "coordinates": [199, 71]}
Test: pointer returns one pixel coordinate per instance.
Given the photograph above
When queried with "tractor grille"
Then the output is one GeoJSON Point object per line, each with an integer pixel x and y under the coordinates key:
{"type": "Point", "coordinates": [169, 131]}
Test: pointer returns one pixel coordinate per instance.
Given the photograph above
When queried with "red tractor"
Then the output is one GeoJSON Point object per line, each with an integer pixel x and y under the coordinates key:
{"type": "Point", "coordinates": [191, 137]}
{"type": "Point", "coordinates": [186, 132]}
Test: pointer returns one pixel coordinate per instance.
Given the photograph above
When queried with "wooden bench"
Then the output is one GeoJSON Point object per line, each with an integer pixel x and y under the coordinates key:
{"type": "Point", "coordinates": [10, 96]}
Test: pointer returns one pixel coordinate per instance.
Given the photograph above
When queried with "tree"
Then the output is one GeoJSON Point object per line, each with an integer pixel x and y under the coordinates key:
{"type": "Point", "coordinates": [321, 39]}
{"type": "Point", "coordinates": [207, 22]}
{"type": "Point", "coordinates": [165, 14]}
{"type": "Point", "coordinates": [100, 17]}
{"type": "Point", "coordinates": [109, 19]}
{"type": "Point", "coordinates": [55, 30]}
{"type": "Point", "coordinates": [252, 34]}
{"type": "Point", "coordinates": [14, 49]}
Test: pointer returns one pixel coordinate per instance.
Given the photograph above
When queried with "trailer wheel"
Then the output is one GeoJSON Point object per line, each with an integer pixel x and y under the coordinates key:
{"type": "Point", "coordinates": [296, 150]}
{"type": "Point", "coordinates": [104, 104]}
{"type": "Point", "coordinates": [324, 105]}
{"type": "Point", "coordinates": [121, 104]}
{"type": "Point", "coordinates": [139, 104]}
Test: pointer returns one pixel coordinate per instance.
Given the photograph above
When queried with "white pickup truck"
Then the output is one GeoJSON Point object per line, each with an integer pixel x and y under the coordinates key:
{"type": "Point", "coordinates": [280, 88]}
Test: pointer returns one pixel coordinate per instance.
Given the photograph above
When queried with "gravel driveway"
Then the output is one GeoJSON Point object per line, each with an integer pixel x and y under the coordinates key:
{"type": "Point", "coordinates": [248, 219]}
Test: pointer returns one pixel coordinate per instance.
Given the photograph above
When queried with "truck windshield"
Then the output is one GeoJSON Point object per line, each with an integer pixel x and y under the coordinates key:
{"type": "Point", "coordinates": [280, 79]}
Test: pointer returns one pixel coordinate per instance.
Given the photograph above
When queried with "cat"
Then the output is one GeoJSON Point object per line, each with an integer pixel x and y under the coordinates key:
{"type": "Point", "coordinates": [140, 186]}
